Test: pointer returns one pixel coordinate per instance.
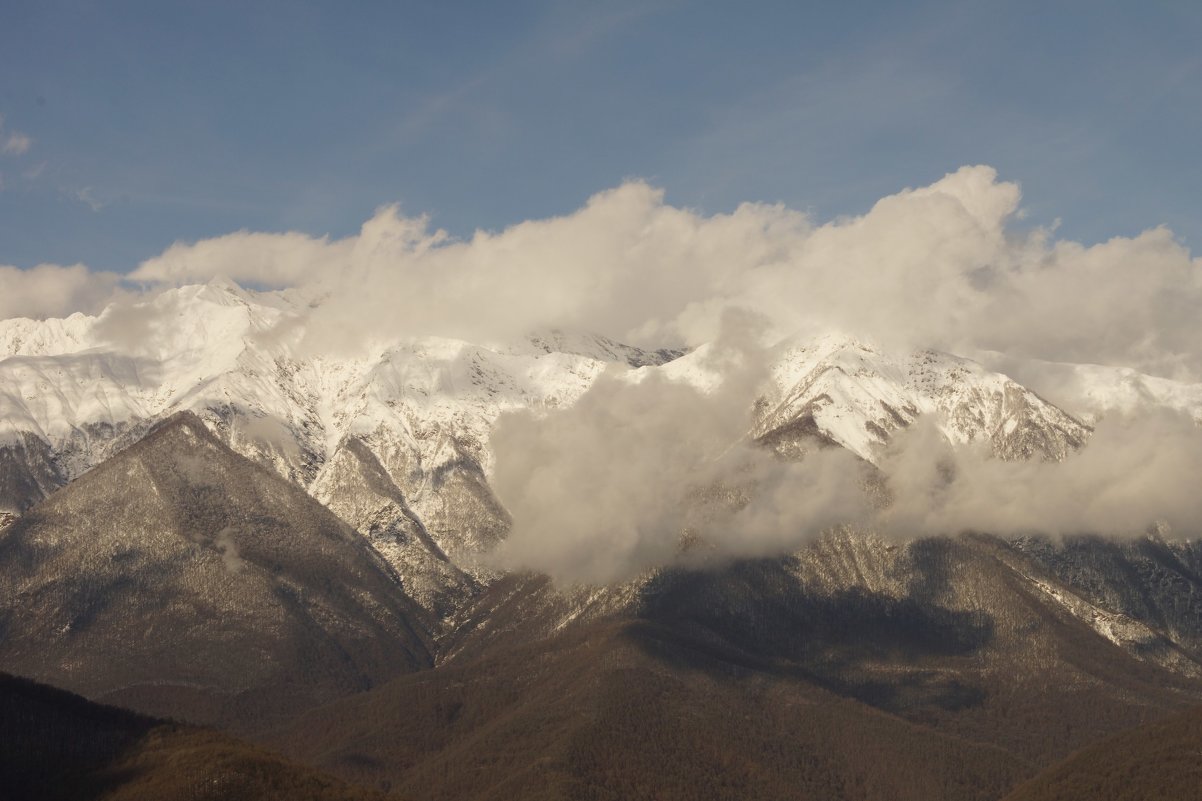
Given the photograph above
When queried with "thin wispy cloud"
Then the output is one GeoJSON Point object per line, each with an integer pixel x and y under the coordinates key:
{"type": "Point", "coordinates": [16, 144]}
{"type": "Point", "coordinates": [87, 196]}
{"type": "Point", "coordinates": [13, 142]}
{"type": "Point", "coordinates": [420, 120]}
{"type": "Point", "coordinates": [578, 33]}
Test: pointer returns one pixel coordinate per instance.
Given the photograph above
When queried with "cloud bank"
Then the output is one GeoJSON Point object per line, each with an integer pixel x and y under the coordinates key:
{"type": "Point", "coordinates": [652, 472]}
{"type": "Point", "coordinates": [49, 290]}
{"type": "Point", "coordinates": [656, 472]}
{"type": "Point", "coordinates": [636, 476]}
{"type": "Point", "coordinates": [949, 265]}
{"type": "Point", "coordinates": [1136, 474]}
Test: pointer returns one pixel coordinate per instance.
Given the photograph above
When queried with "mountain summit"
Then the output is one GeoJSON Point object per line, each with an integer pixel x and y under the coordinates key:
{"type": "Point", "coordinates": [181, 579]}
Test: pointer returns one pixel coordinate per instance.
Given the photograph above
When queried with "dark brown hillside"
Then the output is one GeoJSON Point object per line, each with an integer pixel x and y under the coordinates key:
{"type": "Point", "coordinates": [1161, 761]}
{"type": "Point", "coordinates": [629, 711]}
{"type": "Point", "coordinates": [950, 634]}
{"type": "Point", "coordinates": [853, 670]}
{"type": "Point", "coordinates": [58, 746]}
{"type": "Point", "coordinates": [180, 579]}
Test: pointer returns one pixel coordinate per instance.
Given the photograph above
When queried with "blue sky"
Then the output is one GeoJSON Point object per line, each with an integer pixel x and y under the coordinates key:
{"type": "Point", "coordinates": [149, 123]}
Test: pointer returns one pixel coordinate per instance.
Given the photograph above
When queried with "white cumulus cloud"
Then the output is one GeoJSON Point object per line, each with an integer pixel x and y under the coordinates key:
{"type": "Point", "coordinates": [947, 265]}
{"type": "Point", "coordinates": [654, 472]}
{"type": "Point", "coordinates": [49, 290]}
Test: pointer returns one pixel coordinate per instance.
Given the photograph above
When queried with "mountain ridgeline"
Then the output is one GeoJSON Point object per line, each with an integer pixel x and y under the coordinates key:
{"type": "Point", "coordinates": [61, 747]}
{"type": "Point", "coordinates": [181, 579]}
{"type": "Point", "coordinates": [215, 528]}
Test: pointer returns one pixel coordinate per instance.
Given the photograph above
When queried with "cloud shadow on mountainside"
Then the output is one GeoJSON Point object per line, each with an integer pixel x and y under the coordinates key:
{"type": "Point", "coordinates": [883, 650]}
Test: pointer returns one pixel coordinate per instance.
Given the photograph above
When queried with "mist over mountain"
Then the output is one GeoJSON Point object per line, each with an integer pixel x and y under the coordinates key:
{"type": "Point", "coordinates": [947, 267]}
{"type": "Point", "coordinates": [634, 501]}
{"type": "Point", "coordinates": [434, 447]}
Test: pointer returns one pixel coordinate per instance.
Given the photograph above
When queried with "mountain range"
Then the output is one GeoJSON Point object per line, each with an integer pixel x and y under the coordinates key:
{"type": "Point", "coordinates": [207, 517]}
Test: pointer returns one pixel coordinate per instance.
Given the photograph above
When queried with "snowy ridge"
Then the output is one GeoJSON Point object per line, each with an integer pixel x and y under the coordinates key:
{"type": "Point", "coordinates": [394, 440]}
{"type": "Point", "coordinates": [399, 435]}
{"type": "Point", "coordinates": [208, 349]}
{"type": "Point", "coordinates": [1092, 391]}
{"type": "Point", "coordinates": [86, 385]}
{"type": "Point", "coordinates": [397, 438]}
{"type": "Point", "coordinates": [858, 395]}
{"type": "Point", "coordinates": [212, 349]}
{"type": "Point", "coordinates": [598, 347]}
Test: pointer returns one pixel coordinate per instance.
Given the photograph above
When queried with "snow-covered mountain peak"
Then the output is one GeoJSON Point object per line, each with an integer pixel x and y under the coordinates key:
{"type": "Point", "coordinates": [840, 390]}
{"type": "Point", "coordinates": [215, 349]}
{"type": "Point", "coordinates": [1092, 391]}
{"type": "Point", "coordinates": [600, 348]}
{"type": "Point", "coordinates": [414, 414]}
{"type": "Point", "coordinates": [21, 336]}
{"type": "Point", "coordinates": [857, 395]}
